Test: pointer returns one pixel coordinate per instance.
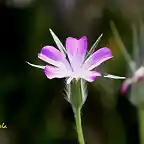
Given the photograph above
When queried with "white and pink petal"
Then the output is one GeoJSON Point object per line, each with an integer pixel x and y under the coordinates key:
{"type": "Point", "coordinates": [76, 47]}
{"type": "Point", "coordinates": [53, 56]}
{"type": "Point", "coordinates": [76, 51]}
{"type": "Point", "coordinates": [55, 72]}
{"type": "Point", "coordinates": [97, 58]}
{"type": "Point", "coordinates": [126, 84]}
{"type": "Point", "coordinates": [90, 76]}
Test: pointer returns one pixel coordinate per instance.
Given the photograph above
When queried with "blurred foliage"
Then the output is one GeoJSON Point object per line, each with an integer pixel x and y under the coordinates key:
{"type": "Point", "coordinates": [33, 107]}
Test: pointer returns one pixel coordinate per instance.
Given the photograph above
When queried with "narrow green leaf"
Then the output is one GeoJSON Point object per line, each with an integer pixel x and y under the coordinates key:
{"type": "Point", "coordinates": [37, 66]}
{"type": "Point", "coordinates": [94, 46]}
{"type": "Point", "coordinates": [58, 42]}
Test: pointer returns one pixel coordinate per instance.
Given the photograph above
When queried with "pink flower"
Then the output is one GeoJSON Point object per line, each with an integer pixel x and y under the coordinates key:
{"type": "Point", "coordinates": [71, 62]}
{"type": "Point", "coordinates": [137, 76]}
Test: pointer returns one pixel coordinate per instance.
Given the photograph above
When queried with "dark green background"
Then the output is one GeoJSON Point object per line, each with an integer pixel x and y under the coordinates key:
{"type": "Point", "coordinates": [33, 107]}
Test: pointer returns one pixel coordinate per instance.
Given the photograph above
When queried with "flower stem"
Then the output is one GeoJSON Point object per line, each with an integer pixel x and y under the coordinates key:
{"type": "Point", "coordinates": [77, 112]}
{"type": "Point", "coordinates": [141, 124]}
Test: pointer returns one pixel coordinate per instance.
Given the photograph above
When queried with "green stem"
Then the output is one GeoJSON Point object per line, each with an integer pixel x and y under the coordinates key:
{"type": "Point", "coordinates": [141, 124]}
{"type": "Point", "coordinates": [77, 112]}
